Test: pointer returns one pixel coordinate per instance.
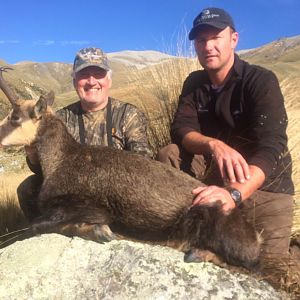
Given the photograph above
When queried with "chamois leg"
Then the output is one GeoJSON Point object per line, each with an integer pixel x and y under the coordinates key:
{"type": "Point", "coordinates": [95, 232]}
{"type": "Point", "coordinates": [228, 236]}
{"type": "Point", "coordinates": [75, 220]}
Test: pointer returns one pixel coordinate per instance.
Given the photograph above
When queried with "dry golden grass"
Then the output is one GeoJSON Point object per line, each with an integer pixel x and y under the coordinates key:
{"type": "Point", "coordinates": [11, 216]}
{"type": "Point", "coordinates": [155, 90]}
{"type": "Point", "coordinates": [294, 146]}
{"type": "Point", "coordinates": [289, 85]}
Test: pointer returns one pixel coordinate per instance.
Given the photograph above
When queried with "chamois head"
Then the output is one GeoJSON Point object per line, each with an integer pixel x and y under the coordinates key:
{"type": "Point", "coordinates": [20, 126]}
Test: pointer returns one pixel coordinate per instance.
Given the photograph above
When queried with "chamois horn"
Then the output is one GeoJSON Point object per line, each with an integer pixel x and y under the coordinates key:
{"type": "Point", "coordinates": [13, 99]}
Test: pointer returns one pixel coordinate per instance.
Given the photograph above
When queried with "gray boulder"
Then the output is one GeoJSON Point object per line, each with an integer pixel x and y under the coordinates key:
{"type": "Point", "coordinates": [53, 266]}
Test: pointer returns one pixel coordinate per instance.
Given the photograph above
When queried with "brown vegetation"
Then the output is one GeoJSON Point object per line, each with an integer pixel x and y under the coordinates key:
{"type": "Point", "coordinates": [11, 216]}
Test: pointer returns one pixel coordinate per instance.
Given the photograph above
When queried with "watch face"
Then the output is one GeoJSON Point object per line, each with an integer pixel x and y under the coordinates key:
{"type": "Point", "coordinates": [236, 196]}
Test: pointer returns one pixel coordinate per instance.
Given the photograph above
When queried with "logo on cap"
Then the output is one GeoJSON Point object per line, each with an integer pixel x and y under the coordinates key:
{"type": "Point", "coordinates": [88, 57]}
{"type": "Point", "coordinates": [214, 17]}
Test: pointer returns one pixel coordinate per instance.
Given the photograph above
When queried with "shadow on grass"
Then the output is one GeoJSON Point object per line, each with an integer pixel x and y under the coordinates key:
{"type": "Point", "coordinates": [12, 221]}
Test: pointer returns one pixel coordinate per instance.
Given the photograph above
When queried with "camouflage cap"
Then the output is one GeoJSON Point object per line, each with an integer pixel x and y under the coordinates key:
{"type": "Point", "coordinates": [88, 57]}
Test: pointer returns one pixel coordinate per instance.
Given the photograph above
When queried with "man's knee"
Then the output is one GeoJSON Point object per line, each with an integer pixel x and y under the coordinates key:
{"type": "Point", "coordinates": [181, 159]}
{"type": "Point", "coordinates": [169, 154]}
{"type": "Point", "coordinates": [272, 215]}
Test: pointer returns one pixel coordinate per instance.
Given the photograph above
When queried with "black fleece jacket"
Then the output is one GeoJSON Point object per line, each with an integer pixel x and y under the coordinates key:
{"type": "Point", "coordinates": [248, 114]}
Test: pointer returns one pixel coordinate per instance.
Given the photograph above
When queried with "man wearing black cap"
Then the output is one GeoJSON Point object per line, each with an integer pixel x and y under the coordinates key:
{"type": "Point", "coordinates": [230, 131]}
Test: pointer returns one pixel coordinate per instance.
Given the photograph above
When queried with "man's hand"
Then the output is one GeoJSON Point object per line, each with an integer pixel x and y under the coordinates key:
{"type": "Point", "coordinates": [233, 167]}
{"type": "Point", "coordinates": [210, 195]}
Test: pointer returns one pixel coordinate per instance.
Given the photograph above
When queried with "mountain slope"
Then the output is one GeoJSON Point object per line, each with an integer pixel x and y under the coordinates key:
{"type": "Point", "coordinates": [283, 49]}
{"type": "Point", "coordinates": [138, 59]}
{"type": "Point", "coordinates": [133, 70]}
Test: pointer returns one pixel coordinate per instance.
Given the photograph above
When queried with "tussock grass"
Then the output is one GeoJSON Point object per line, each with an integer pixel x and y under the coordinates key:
{"type": "Point", "coordinates": [294, 147]}
{"type": "Point", "coordinates": [158, 88]}
{"type": "Point", "coordinates": [11, 216]}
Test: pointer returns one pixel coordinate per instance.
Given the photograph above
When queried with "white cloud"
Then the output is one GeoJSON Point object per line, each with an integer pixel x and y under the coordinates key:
{"type": "Point", "coordinates": [9, 42]}
{"type": "Point", "coordinates": [66, 43]}
{"type": "Point", "coordinates": [44, 42]}
{"type": "Point", "coordinates": [61, 43]}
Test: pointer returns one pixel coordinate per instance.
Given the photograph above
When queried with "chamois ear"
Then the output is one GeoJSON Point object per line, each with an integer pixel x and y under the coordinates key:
{"type": "Point", "coordinates": [39, 108]}
{"type": "Point", "coordinates": [50, 98]}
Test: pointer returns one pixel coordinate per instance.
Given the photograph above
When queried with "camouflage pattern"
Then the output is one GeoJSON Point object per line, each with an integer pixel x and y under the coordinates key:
{"type": "Point", "coordinates": [88, 57]}
{"type": "Point", "coordinates": [129, 126]}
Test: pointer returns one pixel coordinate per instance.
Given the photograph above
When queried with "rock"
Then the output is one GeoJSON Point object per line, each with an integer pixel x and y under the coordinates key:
{"type": "Point", "coordinates": [53, 266]}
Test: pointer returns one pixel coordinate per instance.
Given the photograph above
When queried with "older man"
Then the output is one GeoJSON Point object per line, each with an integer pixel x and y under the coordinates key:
{"type": "Point", "coordinates": [95, 119]}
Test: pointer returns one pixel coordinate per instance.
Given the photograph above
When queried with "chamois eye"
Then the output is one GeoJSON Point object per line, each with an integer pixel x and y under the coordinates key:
{"type": "Point", "coordinates": [15, 120]}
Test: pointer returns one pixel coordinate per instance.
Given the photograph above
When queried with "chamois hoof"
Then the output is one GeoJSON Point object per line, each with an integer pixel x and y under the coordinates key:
{"type": "Point", "coordinates": [40, 226]}
{"type": "Point", "coordinates": [103, 233]}
{"type": "Point", "coordinates": [200, 255]}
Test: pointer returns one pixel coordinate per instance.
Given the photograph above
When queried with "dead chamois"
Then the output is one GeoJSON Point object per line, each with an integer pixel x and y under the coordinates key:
{"type": "Point", "coordinates": [88, 191]}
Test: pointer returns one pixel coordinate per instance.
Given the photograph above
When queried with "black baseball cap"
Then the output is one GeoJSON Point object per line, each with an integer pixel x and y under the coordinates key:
{"type": "Point", "coordinates": [212, 16]}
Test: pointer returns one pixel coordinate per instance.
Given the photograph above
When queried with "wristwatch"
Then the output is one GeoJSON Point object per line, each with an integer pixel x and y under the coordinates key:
{"type": "Point", "coordinates": [236, 196]}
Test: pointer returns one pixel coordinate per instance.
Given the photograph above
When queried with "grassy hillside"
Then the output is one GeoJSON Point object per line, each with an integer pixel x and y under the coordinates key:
{"type": "Point", "coordinates": [282, 57]}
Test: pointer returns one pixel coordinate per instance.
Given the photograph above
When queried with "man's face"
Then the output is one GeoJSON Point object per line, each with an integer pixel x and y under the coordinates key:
{"type": "Point", "coordinates": [92, 85]}
{"type": "Point", "coordinates": [215, 47]}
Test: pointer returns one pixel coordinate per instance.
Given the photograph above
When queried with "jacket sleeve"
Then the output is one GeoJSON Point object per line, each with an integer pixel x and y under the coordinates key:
{"type": "Point", "coordinates": [135, 130]}
{"type": "Point", "coordinates": [186, 117]}
{"type": "Point", "coordinates": [268, 122]}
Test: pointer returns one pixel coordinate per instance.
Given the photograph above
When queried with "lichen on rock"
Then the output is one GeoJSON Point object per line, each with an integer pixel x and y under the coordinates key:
{"type": "Point", "coordinates": [56, 267]}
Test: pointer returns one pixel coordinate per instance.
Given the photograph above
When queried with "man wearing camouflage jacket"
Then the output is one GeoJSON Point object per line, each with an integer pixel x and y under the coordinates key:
{"type": "Point", "coordinates": [96, 119]}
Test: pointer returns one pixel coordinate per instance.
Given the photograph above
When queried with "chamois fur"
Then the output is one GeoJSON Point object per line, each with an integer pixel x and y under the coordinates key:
{"type": "Point", "coordinates": [137, 197]}
{"type": "Point", "coordinates": [88, 190]}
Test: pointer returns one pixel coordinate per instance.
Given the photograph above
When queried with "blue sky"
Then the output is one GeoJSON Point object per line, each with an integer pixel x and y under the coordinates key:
{"type": "Point", "coordinates": [52, 31]}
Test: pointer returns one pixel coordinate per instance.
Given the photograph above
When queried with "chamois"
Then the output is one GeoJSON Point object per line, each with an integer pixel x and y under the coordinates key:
{"type": "Point", "coordinates": [99, 192]}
